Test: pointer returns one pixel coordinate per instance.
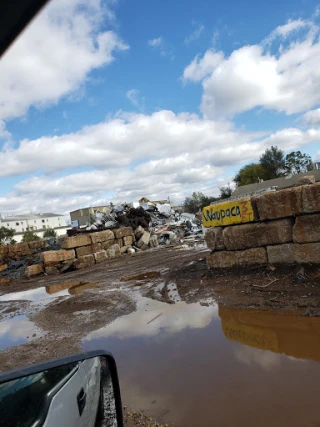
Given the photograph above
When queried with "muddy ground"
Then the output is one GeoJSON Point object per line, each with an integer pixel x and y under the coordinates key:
{"type": "Point", "coordinates": [94, 297]}
{"type": "Point", "coordinates": [278, 287]}
{"type": "Point", "coordinates": [66, 320]}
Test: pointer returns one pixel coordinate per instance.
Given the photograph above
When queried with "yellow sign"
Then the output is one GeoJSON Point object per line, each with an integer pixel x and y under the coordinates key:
{"type": "Point", "coordinates": [227, 213]}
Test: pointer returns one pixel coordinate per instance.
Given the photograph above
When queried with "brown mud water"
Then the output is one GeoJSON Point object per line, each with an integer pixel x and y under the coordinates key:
{"type": "Point", "coordinates": [198, 365]}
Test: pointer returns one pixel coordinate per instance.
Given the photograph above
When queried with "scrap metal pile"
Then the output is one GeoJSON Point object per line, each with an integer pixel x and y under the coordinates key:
{"type": "Point", "coordinates": [160, 220]}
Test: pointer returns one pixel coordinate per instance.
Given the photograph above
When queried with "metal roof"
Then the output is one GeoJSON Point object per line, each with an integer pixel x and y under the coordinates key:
{"type": "Point", "coordinates": [29, 216]}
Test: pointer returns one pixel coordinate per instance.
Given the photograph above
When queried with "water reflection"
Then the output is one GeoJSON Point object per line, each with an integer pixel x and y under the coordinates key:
{"type": "Point", "coordinates": [15, 331]}
{"type": "Point", "coordinates": [58, 287]}
{"type": "Point", "coordinates": [294, 336]}
{"type": "Point", "coordinates": [45, 294]}
{"type": "Point", "coordinates": [172, 318]}
{"type": "Point", "coordinates": [75, 290]}
{"type": "Point", "coordinates": [189, 368]}
{"type": "Point", "coordinates": [36, 295]}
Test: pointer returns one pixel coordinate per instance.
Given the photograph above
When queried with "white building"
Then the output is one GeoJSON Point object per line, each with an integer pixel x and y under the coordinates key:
{"type": "Point", "coordinates": [37, 222]}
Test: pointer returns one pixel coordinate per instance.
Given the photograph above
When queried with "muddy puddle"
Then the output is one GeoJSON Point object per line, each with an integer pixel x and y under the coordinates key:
{"type": "Point", "coordinates": [204, 365]}
{"type": "Point", "coordinates": [17, 331]}
{"type": "Point", "coordinates": [47, 293]}
{"type": "Point", "coordinates": [20, 311]}
{"type": "Point", "coordinates": [35, 295]}
{"type": "Point", "coordinates": [182, 358]}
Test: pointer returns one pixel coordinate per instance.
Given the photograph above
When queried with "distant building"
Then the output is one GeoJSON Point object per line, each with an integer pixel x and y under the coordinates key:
{"type": "Point", "coordinates": [83, 215]}
{"type": "Point", "coordinates": [37, 222]}
{"type": "Point", "coordinates": [278, 183]}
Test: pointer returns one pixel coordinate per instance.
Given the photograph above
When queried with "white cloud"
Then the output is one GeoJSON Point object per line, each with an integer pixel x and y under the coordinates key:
{"type": "Point", "coordinates": [215, 38]}
{"type": "Point", "coordinates": [312, 117]}
{"type": "Point", "coordinates": [196, 33]}
{"type": "Point", "coordinates": [13, 203]}
{"type": "Point", "coordinates": [283, 31]}
{"type": "Point", "coordinates": [4, 133]}
{"type": "Point", "coordinates": [37, 70]}
{"type": "Point", "coordinates": [134, 155]}
{"type": "Point", "coordinates": [253, 356]}
{"type": "Point", "coordinates": [157, 42]}
{"type": "Point", "coordinates": [198, 69]}
{"type": "Point", "coordinates": [134, 97]}
{"type": "Point", "coordinates": [291, 138]}
{"type": "Point", "coordinates": [118, 142]}
{"type": "Point", "coordinates": [17, 329]}
{"type": "Point", "coordinates": [160, 45]}
{"type": "Point", "coordinates": [174, 318]}
{"type": "Point", "coordinates": [287, 81]}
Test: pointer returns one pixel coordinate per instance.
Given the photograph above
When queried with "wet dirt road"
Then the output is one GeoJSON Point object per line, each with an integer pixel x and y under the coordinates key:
{"type": "Point", "coordinates": [184, 357]}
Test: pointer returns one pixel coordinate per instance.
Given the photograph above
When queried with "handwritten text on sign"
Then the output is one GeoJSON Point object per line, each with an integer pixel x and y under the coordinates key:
{"type": "Point", "coordinates": [226, 213]}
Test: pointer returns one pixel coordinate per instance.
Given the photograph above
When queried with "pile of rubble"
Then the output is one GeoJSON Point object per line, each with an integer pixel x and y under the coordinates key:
{"type": "Point", "coordinates": [14, 259]}
{"type": "Point", "coordinates": [160, 220]}
{"type": "Point", "coordinates": [126, 229]}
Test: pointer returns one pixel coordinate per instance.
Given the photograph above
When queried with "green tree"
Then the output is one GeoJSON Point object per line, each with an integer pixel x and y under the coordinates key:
{"type": "Point", "coordinates": [6, 235]}
{"type": "Point", "coordinates": [273, 163]}
{"type": "Point", "coordinates": [296, 162]}
{"type": "Point", "coordinates": [225, 192]}
{"type": "Point", "coordinates": [250, 174]}
{"type": "Point", "coordinates": [29, 235]}
{"type": "Point", "coordinates": [50, 232]}
{"type": "Point", "coordinates": [196, 202]}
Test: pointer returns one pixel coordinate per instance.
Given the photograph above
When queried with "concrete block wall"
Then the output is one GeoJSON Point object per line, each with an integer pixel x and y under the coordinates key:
{"type": "Point", "coordinates": [82, 250]}
{"type": "Point", "coordinates": [286, 230]}
{"type": "Point", "coordinates": [88, 249]}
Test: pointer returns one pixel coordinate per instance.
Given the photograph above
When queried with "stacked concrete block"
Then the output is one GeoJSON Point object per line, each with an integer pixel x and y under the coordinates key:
{"type": "Point", "coordinates": [119, 242]}
{"type": "Point", "coordinates": [143, 242]}
{"type": "Point", "coordinates": [51, 269]}
{"type": "Point", "coordinates": [82, 250]}
{"type": "Point", "coordinates": [214, 238]}
{"type": "Point", "coordinates": [258, 234]}
{"type": "Point", "coordinates": [228, 259]}
{"type": "Point", "coordinates": [127, 240]}
{"type": "Point", "coordinates": [84, 261]}
{"type": "Point", "coordinates": [311, 198]}
{"type": "Point", "coordinates": [102, 236]}
{"type": "Point", "coordinates": [37, 246]}
{"type": "Point", "coordinates": [100, 256]}
{"type": "Point", "coordinates": [139, 232]}
{"type": "Point", "coordinates": [76, 241]}
{"type": "Point", "coordinates": [307, 229]}
{"type": "Point", "coordinates": [123, 232]}
{"type": "Point", "coordinates": [286, 230]}
{"type": "Point", "coordinates": [113, 252]}
{"type": "Point", "coordinates": [87, 250]}
{"type": "Point", "coordinates": [281, 254]}
{"type": "Point", "coordinates": [54, 257]}
{"type": "Point", "coordinates": [279, 204]}
{"type": "Point", "coordinates": [34, 270]}
{"type": "Point", "coordinates": [307, 253]}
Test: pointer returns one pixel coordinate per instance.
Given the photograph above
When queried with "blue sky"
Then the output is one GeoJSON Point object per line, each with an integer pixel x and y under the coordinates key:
{"type": "Point", "coordinates": [115, 100]}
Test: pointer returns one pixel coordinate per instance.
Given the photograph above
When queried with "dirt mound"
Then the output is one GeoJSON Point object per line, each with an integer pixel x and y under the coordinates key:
{"type": "Point", "coordinates": [83, 313]}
